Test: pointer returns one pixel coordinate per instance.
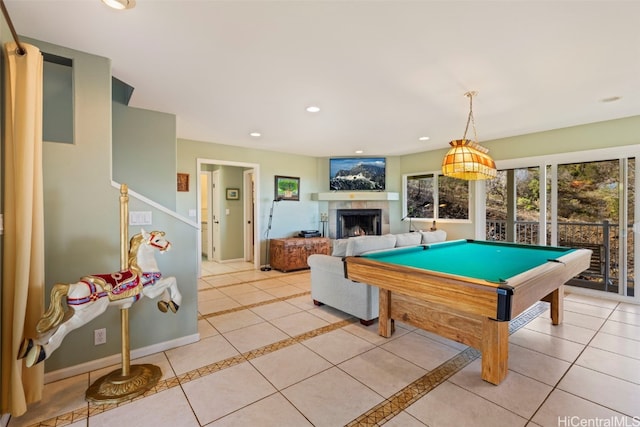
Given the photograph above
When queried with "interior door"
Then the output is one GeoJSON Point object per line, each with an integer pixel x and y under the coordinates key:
{"type": "Point", "coordinates": [205, 214]}
{"type": "Point", "coordinates": [215, 216]}
{"type": "Point", "coordinates": [249, 204]}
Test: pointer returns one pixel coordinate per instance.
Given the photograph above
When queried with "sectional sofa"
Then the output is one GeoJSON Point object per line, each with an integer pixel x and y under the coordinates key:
{"type": "Point", "coordinates": [329, 286]}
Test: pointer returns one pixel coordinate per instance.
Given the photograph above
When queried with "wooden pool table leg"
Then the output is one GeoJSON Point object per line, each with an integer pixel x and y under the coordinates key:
{"type": "Point", "coordinates": [556, 298]}
{"type": "Point", "coordinates": [495, 350]}
{"type": "Point", "coordinates": [557, 305]}
{"type": "Point", "coordinates": [385, 322]}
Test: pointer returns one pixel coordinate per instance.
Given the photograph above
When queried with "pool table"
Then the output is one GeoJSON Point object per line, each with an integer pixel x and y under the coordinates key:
{"type": "Point", "coordinates": [468, 290]}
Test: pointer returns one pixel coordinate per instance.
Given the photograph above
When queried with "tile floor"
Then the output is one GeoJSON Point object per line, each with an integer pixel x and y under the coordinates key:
{"type": "Point", "coordinates": [268, 357]}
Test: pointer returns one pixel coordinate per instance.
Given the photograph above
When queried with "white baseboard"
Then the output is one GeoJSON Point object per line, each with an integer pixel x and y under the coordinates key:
{"type": "Point", "coordinates": [116, 358]}
{"type": "Point", "coordinates": [232, 260]}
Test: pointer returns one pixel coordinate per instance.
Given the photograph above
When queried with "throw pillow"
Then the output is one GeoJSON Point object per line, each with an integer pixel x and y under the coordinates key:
{"type": "Point", "coordinates": [433, 236]}
{"type": "Point", "coordinates": [361, 244]}
{"type": "Point", "coordinates": [340, 247]}
{"type": "Point", "coordinates": [408, 239]}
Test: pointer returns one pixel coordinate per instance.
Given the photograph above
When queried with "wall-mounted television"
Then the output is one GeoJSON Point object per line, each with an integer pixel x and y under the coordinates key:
{"type": "Point", "coordinates": [357, 173]}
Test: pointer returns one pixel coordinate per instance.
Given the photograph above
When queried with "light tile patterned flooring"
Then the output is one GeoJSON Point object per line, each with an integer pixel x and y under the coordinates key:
{"type": "Point", "coordinates": [268, 357]}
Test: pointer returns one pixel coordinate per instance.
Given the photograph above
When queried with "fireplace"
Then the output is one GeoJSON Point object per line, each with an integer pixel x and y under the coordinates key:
{"type": "Point", "coordinates": [358, 222]}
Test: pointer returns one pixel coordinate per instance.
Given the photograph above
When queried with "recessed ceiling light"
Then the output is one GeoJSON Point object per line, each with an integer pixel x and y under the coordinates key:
{"type": "Point", "coordinates": [424, 138]}
{"type": "Point", "coordinates": [359, 151]}
{"type": "Point", "coordinates": [611, 99]}
{"type": "Point", "coordinates": [120, 4]}
{"type": "Point", "coordinates": [255, 134]}
{"type": "Point", "coordinates": [313, 109]}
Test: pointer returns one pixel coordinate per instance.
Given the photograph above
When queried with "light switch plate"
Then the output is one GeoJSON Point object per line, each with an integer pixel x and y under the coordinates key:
{"type": "Point", "coordinates": [140, 218]}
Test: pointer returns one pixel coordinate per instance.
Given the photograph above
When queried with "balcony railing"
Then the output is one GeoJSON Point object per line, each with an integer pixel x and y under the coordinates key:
{"type": "Point", "coordinates": [602, 238]}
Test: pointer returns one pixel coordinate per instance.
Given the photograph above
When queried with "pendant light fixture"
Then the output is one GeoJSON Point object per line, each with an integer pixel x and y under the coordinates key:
{"type": "Point", "coordinates": [466, 159]}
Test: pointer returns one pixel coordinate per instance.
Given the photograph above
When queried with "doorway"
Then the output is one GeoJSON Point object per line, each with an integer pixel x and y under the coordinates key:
{"type": "Point", "coordinates": [597, 213]}
{"type": "Point", "coordinates": [205, 215]}
{"type": "Point", "coordinates": [227, 195]}
{"type": "Point", "coordinates": [249, 214]}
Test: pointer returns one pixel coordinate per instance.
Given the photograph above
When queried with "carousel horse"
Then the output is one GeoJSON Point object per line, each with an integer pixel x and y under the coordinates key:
{"type": "Point", "coordinates": [90, 297]}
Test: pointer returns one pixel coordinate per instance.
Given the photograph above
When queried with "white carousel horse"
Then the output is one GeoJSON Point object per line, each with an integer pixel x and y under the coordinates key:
{"type": "Point", "coordinates": [90, 297]}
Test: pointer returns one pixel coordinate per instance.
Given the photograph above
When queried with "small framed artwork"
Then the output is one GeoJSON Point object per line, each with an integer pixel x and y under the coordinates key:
{"type": "Point", "coordinates": [183, 182]}
{"type": "Point", "coordinates": [233, 194]}
{"type": "Point", "coordinates": [287, 188]}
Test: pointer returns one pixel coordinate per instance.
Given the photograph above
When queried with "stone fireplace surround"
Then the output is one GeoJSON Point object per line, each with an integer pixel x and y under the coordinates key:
{"type": "Point", "coordinates": [334, 206]}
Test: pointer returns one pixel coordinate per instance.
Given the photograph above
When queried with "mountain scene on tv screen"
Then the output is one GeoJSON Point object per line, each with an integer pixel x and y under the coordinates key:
{"type": "Point", "coordinates": [363, 176]}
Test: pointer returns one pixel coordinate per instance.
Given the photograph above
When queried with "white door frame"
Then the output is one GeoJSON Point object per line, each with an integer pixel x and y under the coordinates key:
{"type": "Point", "coordinates": [256, 221]}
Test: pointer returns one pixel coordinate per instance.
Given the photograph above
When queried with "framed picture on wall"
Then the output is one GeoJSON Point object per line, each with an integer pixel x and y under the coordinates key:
{"type": "Point", "coordinates": [183, 182]}
{"type": "Point", "coordinates": [287, 188]}
{"type": "Point", "coordinates": [233, 194]}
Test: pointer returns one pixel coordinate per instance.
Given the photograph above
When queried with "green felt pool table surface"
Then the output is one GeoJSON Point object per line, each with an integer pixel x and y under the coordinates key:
{"type": "Point", "coordinates": [491, 261]}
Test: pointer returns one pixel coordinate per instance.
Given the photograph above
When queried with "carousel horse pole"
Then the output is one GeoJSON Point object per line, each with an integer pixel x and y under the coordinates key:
{"type": "Point", "coordinates": [124, 265]}
{"type": "Point", "coordinates": [119, 386]}
{"type": "Point", "coordinates": [73, 305]}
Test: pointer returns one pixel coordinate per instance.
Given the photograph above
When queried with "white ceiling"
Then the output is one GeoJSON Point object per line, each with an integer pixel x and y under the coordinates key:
{"type": "Point", "coordinates": [384, 73]}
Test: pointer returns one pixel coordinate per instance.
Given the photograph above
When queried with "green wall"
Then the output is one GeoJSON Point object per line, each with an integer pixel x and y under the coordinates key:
{"type": "Point", "coordinates": [289, 217]}
{"type": "Point", "coordinates": [57, 102]}
{"type": "Point", "coordinates": [144, 152]}
{"type": "Point", "coordinates": [147, 325]}
{"type": "Point", "coordinates": [613, 133]}
{"type": "Point", "coordinates": [82, 222]}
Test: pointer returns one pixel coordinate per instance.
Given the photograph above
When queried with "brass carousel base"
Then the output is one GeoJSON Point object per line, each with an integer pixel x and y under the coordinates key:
{"type": "Point", "coordinates": [116, 388]}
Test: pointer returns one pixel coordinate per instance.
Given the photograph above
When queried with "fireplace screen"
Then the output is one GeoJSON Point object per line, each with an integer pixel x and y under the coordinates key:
{"type": "Point", "coordinates": [358, 222]}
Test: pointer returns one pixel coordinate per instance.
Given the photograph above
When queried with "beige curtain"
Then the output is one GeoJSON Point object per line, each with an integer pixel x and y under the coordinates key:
{"type": "Point", "coordinates": [23, 249]}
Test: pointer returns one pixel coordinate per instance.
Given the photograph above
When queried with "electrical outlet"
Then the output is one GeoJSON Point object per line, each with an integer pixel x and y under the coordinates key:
{"type": "Point", "coordinates": [100, 336]}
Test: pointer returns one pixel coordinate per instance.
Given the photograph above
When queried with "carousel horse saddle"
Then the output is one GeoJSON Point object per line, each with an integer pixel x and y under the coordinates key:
{"type": "Point", "coordinates": [123, 284]}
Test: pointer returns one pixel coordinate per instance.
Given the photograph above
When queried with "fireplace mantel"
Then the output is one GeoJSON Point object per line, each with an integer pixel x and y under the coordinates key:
{"type": "Point", "coordinates": [355, 195]}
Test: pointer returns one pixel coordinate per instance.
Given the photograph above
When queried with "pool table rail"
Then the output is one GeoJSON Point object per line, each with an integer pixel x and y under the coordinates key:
{"type": "Point", "coordinates": [468, 310]}
{"type": "Point", "coordinates": [537, 284]}
{"type": "Point", "coordinates": [476, 296]}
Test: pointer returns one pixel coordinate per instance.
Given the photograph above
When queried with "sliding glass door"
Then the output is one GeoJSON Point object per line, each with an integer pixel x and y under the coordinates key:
{"type": "Point", "coordinates": [513, 206]}
{"type": "Point", "coordinates": [587, 204]}
{"type": "Point", "coordinates": [595, 211]}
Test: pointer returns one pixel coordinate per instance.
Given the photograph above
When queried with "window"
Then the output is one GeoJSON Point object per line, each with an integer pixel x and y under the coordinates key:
{"type": "Point", "coordinates": [513, 206]}
{"type": "Point", "coordinates": [435, 196]}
